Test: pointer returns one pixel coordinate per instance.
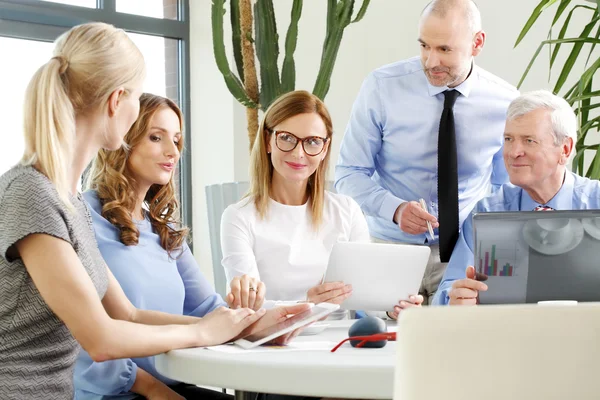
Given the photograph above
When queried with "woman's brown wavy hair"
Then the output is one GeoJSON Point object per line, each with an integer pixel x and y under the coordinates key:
{"type": "Point", "coordinates": [111, 177]}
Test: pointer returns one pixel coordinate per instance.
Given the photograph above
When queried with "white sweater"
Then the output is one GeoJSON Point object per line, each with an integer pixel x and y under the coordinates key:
{"type": "Point", "coordinates": [283, 250]}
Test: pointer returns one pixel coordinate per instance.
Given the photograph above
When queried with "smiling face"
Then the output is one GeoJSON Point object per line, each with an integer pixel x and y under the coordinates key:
{"type": "Point", "coordinates": [153, 160]}
{"type": "Point", "coordinates": [447, 48]}
{"type": "Point", "coordinates": [531, 157]}
{"type": "Point", "coordinates": [296, 165]}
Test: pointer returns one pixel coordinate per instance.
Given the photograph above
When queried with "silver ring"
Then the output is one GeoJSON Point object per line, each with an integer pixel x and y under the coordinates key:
{"type": "Point", "coordinates": [251, 288]}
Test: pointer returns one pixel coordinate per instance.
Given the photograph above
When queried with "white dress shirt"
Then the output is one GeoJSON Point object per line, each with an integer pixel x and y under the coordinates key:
{"type": "Point", "coordinates": [284, 250]}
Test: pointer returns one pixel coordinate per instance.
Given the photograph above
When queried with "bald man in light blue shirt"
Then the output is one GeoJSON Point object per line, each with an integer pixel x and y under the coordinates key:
{"type": "Point", "coordinates": [389, 155]}
{"type": "Point", "coordinates": [540, 133]}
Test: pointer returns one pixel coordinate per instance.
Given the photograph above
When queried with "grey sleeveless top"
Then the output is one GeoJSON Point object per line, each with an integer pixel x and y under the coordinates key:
{"type": "Point", "coordinates": [37, 351]}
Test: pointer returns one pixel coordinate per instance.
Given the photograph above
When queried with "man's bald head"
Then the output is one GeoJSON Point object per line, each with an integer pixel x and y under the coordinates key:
{"type": "Point", "coordinates": [466, 9]}
{"type": "Point", "coordinates": [450, 36]}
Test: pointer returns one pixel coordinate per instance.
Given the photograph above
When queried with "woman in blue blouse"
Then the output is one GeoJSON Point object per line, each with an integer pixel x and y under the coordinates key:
{"type": "Point", "coordinates": [134, 208]}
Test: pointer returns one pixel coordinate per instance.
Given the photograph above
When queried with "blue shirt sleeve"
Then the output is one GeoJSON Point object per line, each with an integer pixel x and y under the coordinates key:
{"type": "Point", "coordinates": [499, 174]}
{"type": "Point", "coordinates": [461, 258]}
{"type": "Point", "coordinates": [361, 144]}
{"type": "Point", "coordinates": [108, 378]}
{"type": "Point", "coordinates": [200, 297]}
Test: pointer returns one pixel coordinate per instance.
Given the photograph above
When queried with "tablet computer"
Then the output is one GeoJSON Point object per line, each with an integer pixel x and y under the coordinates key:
{"type": "Point", "coordinates": [294, 322]}
{"type": "Point", "coordinates": [381, 274]}
{"type": "Point", "coordinates": [533, 256]}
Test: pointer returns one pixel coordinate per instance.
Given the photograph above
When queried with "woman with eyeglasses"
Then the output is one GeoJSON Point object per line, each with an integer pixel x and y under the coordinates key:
{"type": "Point", "coordinates": [283, 231]}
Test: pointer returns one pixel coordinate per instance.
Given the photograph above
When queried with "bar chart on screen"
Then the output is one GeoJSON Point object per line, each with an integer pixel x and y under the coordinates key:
{"type": "Point", "coordinates": [496, 260]}
{"type": "Point", "coordinates": [503, 257]}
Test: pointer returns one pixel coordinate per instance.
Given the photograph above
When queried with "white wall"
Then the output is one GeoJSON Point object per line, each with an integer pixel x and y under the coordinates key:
{"type": "Point", "coordinates": [386, 34]}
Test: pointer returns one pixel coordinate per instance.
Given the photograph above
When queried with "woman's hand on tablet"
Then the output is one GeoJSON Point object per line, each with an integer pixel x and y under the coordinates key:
{"type": "Point", "coordinates": [465, 292]}
{"type": "Point", "coordinates": [246, 291]}
{"type": "Point", "coordinates": [275, 316]}
{"type": "Point", "coordinates": [413, 301]}
{"type": "Point", "coordinates": [224, 324]}
{"type": "Point", "coordinates": [330, 292]}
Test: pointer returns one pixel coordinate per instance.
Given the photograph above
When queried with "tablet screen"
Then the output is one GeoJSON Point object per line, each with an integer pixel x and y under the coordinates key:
{"type": "Point", "coordinates": [313, 311]}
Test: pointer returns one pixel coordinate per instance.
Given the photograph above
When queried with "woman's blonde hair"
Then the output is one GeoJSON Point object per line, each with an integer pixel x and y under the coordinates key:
{"type": "Point", "coordinates": [89, 62]}
{"type": "Point", "coordinates": [113, 180]}
{"type": "Point", "coordinates": [261, 168]}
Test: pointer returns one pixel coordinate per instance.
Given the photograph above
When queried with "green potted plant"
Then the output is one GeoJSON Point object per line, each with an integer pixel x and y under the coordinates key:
{"type": "Point", "coordinates": [255, 38]}
{"type": "Point", "coordinates": [581, 95]}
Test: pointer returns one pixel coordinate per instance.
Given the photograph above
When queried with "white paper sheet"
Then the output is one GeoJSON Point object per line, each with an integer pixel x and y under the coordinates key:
{"type": "Point", "coordinates": [294, 346]}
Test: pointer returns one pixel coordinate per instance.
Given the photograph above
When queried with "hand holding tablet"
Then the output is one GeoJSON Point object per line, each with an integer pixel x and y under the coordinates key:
{"type": "Point", "coordinates": [380, 274]}
{"type": "Point", "coordinates": [285, 325]}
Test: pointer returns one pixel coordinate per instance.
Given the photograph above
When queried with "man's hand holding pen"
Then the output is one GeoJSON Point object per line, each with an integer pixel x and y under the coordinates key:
{"type": "Point", "coordinates": [412, 218]}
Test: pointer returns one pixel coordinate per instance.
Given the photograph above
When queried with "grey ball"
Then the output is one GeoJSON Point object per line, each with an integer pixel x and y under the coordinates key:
{"type": "Point", "coordinates": [368, 326]}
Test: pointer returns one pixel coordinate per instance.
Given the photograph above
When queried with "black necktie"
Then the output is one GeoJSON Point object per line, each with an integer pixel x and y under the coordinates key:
{"type": "Point", "coordinates": [447, 178]}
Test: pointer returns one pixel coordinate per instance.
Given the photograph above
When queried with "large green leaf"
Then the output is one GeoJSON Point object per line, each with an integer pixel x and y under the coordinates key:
{"type": "Point", "coordinates": [331, 47]}
{"type": "Point", "coordinates": [589, 73]}
{"type": "Point", "coordinates": [587, 95]}
{"type": "Point", "coordinates": [596, 36]}
{"type": "Point", "coordinates": [267, 51]}
{"type": "Point", "coordinates": [544, 4]}
{"type": "Point", "coordinates": [584, 102]}
{"type": "Point", "coordinates": [288, 70]}
{"type": "Point", "coordinates": [552, 41]}
{"type": "Point", "coordinates": [578, 162]}
{"type": "Point", "coordinates": [587, 108]}
{"type": "Point", "coordinates": [563, 31]}
{"type": "Point", "coordinates": [363, 10]}
{"type": "Point", "coordinates": [561, 8]}
{"type": "Point", "coordinates": [568, 66]}
{"type": "Point", "coordinates": [593, 123]}
{"type": "Point", "coordinates": [594, 169]}
{"type": "Point", "coordinates": [236, 36]}
{"type": "Point", "coordinates": [233, 83]}
{"type": "Point", "coordinates": [331, 7]}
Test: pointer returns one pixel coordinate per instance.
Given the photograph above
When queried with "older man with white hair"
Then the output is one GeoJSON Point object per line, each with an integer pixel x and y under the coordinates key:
{"type": "Point", "coordinates": [539, 136]}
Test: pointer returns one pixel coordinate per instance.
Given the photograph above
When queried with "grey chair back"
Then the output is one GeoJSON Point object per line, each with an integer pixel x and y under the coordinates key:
{"type": "Point", "coordinates": [218, 197]}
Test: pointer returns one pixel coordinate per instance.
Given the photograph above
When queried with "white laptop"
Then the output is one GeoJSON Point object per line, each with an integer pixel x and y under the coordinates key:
{"type": "Point", "coordinates": [380, 274]}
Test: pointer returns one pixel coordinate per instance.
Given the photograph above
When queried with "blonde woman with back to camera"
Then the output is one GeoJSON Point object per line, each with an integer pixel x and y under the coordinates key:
{"type": "Point", "coordinates": [55, 289]}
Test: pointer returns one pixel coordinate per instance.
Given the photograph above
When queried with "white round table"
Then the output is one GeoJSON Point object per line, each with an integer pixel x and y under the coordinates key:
{"type": "Point", "coordinates": [347, 373]}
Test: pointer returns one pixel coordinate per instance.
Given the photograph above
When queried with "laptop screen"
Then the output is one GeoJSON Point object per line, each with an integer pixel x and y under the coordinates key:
{"type": "Point", "coordinates": [538, 256]}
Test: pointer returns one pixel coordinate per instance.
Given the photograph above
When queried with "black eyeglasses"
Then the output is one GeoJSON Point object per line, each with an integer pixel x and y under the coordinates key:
{"type": "Point", "coordinates": [312, 145]}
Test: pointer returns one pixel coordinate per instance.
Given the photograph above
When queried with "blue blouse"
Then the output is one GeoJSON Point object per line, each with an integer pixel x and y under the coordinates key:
{"type": "Point", "coordinates": [152, 281]}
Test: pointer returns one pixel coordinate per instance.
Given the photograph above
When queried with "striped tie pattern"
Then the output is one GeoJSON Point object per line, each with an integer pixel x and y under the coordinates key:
{"type": "Point", "coordinates": [543, 208]}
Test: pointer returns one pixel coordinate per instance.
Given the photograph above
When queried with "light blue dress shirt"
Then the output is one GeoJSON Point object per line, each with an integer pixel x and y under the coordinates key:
{"type": "Point", "coordinates": [151, 281]}
{"type": "Point", "coordinates": [389, 152]}
{"type": "Point", "coordinates": [576, 193]}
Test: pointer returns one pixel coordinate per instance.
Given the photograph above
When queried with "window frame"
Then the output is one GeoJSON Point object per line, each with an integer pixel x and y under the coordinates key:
{"type": "Point", "coordinates": [45, 21]}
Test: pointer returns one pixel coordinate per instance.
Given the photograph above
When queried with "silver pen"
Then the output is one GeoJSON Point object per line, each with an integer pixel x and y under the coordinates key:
{"type": "Point", "coordinates": [429, 228]}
